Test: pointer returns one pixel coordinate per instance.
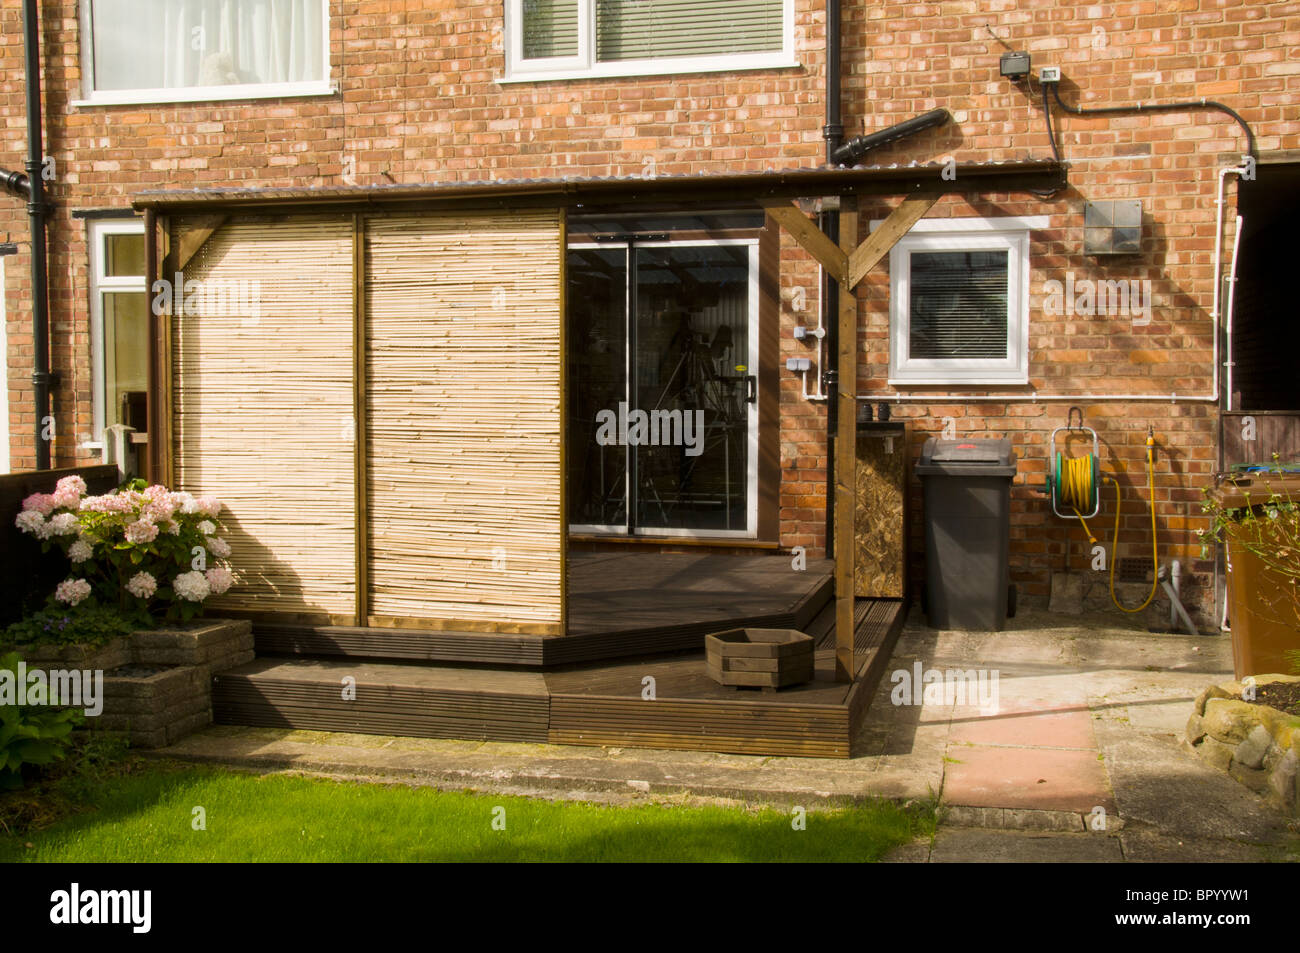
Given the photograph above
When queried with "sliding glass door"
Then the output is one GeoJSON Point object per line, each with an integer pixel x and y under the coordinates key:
{"type": "Point", "coordinates": [663, 402]}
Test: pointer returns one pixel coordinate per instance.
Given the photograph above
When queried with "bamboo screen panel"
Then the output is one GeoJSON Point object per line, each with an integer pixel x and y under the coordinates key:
{"type": "Point", "coordinates": [263, 408]}
{"type": "Point", "coordinates": [463, 421]}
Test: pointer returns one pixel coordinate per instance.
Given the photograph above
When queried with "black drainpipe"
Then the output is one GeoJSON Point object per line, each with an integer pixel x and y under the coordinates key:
{"type": "Point", "coordinates": [36, 213]}
{"type": "Point", "coordinates": [32, 188]}
{"type": "Point", "coordinates": [833, 133]}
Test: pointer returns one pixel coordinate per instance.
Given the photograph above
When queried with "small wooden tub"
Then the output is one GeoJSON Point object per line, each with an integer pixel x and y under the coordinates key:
{"type": "Point", "coordinates": [759, 658]}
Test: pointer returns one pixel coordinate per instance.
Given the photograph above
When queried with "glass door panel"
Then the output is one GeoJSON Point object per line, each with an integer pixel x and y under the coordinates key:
{"type": "Point", "coordinates": [692, 382]}
{"type": "Point", "coordinates": [597, 345]}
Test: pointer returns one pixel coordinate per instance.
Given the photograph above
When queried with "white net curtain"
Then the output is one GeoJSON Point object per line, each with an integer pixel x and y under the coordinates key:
{"type": "Point", "coordinates": [167, 44]}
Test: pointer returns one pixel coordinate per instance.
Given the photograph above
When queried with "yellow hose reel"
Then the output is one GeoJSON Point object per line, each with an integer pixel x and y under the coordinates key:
{"type": "Point", "coordinates": [1075, 484]}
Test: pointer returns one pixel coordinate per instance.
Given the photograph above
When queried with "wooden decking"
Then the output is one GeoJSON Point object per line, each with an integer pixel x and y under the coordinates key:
{"type": "Point", "coordinates": [601, 703]}
{"type": "Point", "coordinates": [620, 604]}
{"type": "Point", "coordinates": [631, 673]}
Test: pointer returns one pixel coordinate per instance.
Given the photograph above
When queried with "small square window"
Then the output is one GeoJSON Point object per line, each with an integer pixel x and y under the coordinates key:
{"type": "Point", "coordinates": [959, 307]}
{"type": "Point", "coordinates": [574, 39]}
{"type": "Point", "coordinates": [168, 51]}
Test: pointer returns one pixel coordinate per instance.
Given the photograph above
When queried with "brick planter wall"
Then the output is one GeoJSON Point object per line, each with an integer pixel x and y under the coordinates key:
{"type": "Point", "coordinates": [160, 708]}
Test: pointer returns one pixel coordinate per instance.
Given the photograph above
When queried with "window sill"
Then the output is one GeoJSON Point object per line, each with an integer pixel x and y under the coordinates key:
{"type": "Point", "coordinates": [715, 541]}
{"type": "Point", "coordinates": [204, 94]}
{"type": "Point", "coordinates": [631, 71]}
{"type": "Point", "coordinates": [934, 381]}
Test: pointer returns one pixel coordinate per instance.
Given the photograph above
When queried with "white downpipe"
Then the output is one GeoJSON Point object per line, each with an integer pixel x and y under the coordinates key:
{"type": "Point", "coordinates": [1229, 363]}
{"type": "Point", "coordinates": [1213, 396]}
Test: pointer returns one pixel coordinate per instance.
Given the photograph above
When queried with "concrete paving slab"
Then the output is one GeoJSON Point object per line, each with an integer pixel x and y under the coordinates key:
{"type": "Point", "coordinates": [1147, 847]}
{"type": "Point", "coordinates": [1048, 728]}
{"type": "Point", "coordinates": [1046, 779]}
{"type": "Point", "coordinates": [971, 846]}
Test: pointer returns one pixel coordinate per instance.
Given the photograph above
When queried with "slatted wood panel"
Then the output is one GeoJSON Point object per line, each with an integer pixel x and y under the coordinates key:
{"type": "Point", "coordinates": [463, 325]}
{"type": "Point", "coordinates": [262, 408]}
{"type": "Point", "coordinates": [1269, 433]}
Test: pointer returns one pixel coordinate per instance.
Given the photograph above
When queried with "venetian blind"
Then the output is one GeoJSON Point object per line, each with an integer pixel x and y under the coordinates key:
{"type": "Point", "coordinates": [654, 29]}
{"type": "Point", "coordinates": [957, 305]}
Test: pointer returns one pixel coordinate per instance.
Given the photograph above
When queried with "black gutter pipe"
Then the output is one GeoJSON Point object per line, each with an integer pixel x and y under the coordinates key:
{"type": "Point", "coordinates": [858, 146]}
{"type": "Point", "coordinates": [35, 193]}
{"type": "Point", "coordinates": [833, 133]}
{"type": "Point", "coordinates": [1185, 106]}
{"type": "Point", "coordinates": [15, 183]}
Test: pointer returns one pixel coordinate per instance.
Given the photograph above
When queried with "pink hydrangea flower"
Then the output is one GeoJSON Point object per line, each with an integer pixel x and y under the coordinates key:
{"type": "Point", "coordinates": [42, 503]}
{"type": "Point", "coordinates": [209, 505]}
{"type": "Point", "coordinates": [72, 591]}
{"type": "Point", "coordinates": [80, 551]}
{"type": "Point", "coordinates": [64, 524]}
{"type": "Point", "coordinates": [218, 547]}
{"type": "Point", "coordinates": [141, 531]}
{"type": "Point", "coordinates": [219, 580]}
{"type": "Point", "coordinates": [142, 585]}
{"type": "Point", "coordinates": [30, 522]}
{"type": "Point", "coordinates": [192, 586]}
{"type": "Point", "coordinates": [68, 492]}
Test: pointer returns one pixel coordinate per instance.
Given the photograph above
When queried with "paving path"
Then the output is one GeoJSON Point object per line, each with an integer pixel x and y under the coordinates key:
{"type": "Point", "coordinates": [1080, 761]}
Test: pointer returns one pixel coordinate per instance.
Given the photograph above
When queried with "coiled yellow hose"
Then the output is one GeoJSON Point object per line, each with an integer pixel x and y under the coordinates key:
{"type": "Point", "coordinates": [1076, 487]}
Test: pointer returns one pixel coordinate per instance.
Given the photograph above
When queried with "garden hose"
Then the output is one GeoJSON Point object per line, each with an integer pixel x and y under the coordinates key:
{"type": "Point", "coordinates": [1114, 539]}
{"type": "Point", "coordinates": [1076, 489]}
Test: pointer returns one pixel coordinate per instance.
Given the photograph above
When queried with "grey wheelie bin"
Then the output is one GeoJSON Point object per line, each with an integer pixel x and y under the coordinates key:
{"type": "Point", "coordinates": [967, 490]}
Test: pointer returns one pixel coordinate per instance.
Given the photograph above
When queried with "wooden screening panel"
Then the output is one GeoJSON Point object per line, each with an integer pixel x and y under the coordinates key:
{"type": "Point", "coordinates": [262, 374]}
{"type": "Point", "coordinates": [463, 377]}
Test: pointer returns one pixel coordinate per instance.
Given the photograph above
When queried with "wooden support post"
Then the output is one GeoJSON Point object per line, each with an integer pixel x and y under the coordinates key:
{"type": "Point", "coordinates": [845, 452]}
{"type": "Point", "coordinates": [361, 474]}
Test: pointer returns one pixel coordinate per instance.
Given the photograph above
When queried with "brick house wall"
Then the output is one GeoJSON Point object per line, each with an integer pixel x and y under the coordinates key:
{"type": "Point", "coordinates": [418, 101]}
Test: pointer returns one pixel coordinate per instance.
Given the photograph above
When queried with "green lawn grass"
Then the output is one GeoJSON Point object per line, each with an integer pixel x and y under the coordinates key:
{"type": "Point", "coordinates": [148, 815]}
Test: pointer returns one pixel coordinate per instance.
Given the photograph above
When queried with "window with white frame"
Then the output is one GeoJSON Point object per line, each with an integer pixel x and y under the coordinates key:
{"type": "Point", "coordinates": [571, 39]}
{"type": "Point", "coordinates": [119, 328]}
{"type": "Point", "coordinates": [959, 302]}
{"type": "Point", "coordinates": [161, 51]}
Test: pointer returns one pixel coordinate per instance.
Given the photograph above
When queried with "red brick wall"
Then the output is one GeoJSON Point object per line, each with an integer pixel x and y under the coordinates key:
{"type": "Point", "coordinates": [417, 102]}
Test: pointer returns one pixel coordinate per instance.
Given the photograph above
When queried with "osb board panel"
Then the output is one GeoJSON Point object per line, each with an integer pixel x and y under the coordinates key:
{"type": "Point", "coordinates": [879, 564]}
{"type": "Point", "coordinates": [463, 366]}
{"type": "Point", "coordinates": [262, 408]}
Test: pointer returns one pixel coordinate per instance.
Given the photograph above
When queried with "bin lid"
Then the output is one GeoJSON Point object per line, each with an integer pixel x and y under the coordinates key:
{"type": "Point", "coordinates": [972, 457]}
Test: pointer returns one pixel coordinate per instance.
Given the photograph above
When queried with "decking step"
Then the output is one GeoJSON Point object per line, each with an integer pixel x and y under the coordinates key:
{"type": "Point", "coordinates": [420, 701]}
{"type": "Point", "coordinates": [595, 703]}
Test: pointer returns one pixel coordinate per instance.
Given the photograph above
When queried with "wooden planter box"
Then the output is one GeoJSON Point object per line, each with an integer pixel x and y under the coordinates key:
{"type": "Point", "coordinates": [759, 658]}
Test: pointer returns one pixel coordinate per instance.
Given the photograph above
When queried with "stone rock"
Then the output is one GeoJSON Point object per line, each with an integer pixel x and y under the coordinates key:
{"type": "Point", "coordinates": [1210, 691]}
{"type": "Point", "coordinates": [1215, 752]}
{"type": "Point", "coordinates": [1251, 751]}
{"type": "Point", "coordinates": [1256, 780]}
{"type": "Point", "coordinates": [1282, 782]}
{"type": "Point", "coordinates": [1195, 729]}
{"type": "Point", "coordinates": [1229, 720]}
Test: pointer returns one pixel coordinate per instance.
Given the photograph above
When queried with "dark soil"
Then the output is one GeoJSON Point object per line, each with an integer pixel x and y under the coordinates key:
{"type": "Point", "coordinates": [137, 671]}
{"type": "Point", "coordinates": [1284, 696]}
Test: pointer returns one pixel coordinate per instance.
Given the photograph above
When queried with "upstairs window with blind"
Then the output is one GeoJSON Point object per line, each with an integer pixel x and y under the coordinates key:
{"type": "Point", "coordinates": [573, 39]}
{"type": "Point", "coordinates": [959, 308]}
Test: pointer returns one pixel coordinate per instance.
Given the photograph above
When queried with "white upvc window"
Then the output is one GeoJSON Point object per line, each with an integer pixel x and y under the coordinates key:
{"type": "Point", "coordinates": [119, 324]}
{"type": "Point", "coordinates": [173, 51]}
{"type": "Point", "coordinates": [959, 302]}
{"type": "Point", "coordinates": [580, 39]}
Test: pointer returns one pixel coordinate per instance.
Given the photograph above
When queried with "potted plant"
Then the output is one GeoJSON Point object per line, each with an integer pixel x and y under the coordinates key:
{"type": "Point", "coordinates": [1257, 519]}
